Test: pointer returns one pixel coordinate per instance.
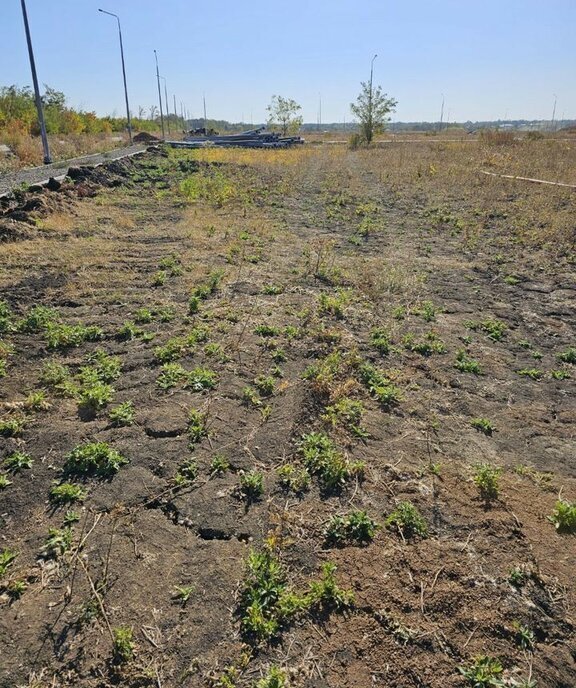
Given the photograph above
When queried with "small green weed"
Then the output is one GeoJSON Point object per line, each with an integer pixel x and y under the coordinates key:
{"type": "Point", "coordinates": [186, 474]}
{"type": "Point", "coordinates": [265, 385]}
{"type": "Point", "coordinates": [94, 458]}
{"type": "Point", "coordinates": [559, 374]}
{"type": "Point", "coordinates": [122, 415]}
{"type": "Point", "coordinates": [12, 427]}
{"type": "Point", "coordinates": [483, 672]}
{"type": "Point", "coordinates": [129, 331]}
{"type": "Point", "coordinates": [4, 482]}
{"type": "Point", "coordinates": [275, 678]}
{"type": "Point", "coordinates": [170, 375]}
{"type": "Point", "coordinates": [381, 340]}
{"type": "Point", "coordinates": [568, 356]}
{"type": "Point", "coordinates": [465, 364]}
{"type": "Point", "coordinates": [356, 526]}
{"type": "Point", "coordinates": [524, 636]}
{"type": "Point", "coordinates": [143, 316]}
{"type": "Point", "coordinates": [532, 373]}
{"type": "Point", "coordinates": [61, 336]}
{"type": "Point", "coordinates": [200, 379]}
{"type": "Point", "coordinates": [17, 461]}
{"type": "Point", "coordinates": [293, 478]}
{"type": "Point", "coordinates": [347, 413]}
{"type": "Point", "coordinates": [426, 310]}
{"type": "Point", "coordinates": [197, 426]}
{"type": "Point", "coordinates": [495, 329]}
{"type": "Point", "coordinates": [486, 478]}
{"type": "Point", "coordinates": [483, 425]}
{"type": "Point", "coordinates": [159, 278]}
{"type": "Point", "coordinates": [251, 485]}
{"type": "Point", "coordinates": [387, 393]}
{"type": "Point", "coordinates": [7, 557]}
{"type": "Point", "coordinates": [250, 397]}
{"type": "Point", "coordinates": [264, 330]}
{"type": "Point", "coordinates": [425, 346]}
{"type": "Point", "coordinates": [219, 465]}
{"type": "Point", "coordinates": [334, 305]}
{"type": "Point", "coordinates": [182, 593]}
{"type": "Point", "coordinates": [67, 493]}
{"type": "Point", "coordinates": [59, 541]}
{"type": "Point", "coordinates": [36, 401]}
{"type": "Point", "coordinates": [123, 646]}
{"type": "Point", "coordinates": [323, 459]}
{"type": "Point", "coordinates": [38, 318]}
{"type": "Point", "coordinates": [564, 517]}
{"type": "Point", "coordinates": [407, 520]}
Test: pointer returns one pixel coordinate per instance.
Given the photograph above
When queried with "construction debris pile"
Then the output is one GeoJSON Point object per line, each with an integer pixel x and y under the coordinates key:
{"type": "Point", "coordinates": [255, 138]}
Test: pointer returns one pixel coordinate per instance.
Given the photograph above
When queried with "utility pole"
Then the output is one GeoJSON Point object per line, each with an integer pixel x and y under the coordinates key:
{"type": "Point", "coordinates": [47, 158]}
{"type": "Point", "coordinates": [554, 111]}
{"type": "Point", "coordinates": [205, 120]}
{"type": "Point", "coordinates": [159, 95]}
{"type": "Point", "coordinates": [441, 113]}
{"type": "Point", "coordinates": [370, 113]}
{"type": "Point", "coordinates": [129, 123]}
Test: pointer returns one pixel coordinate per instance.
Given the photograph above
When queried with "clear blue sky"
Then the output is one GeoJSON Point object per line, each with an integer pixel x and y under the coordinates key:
{"type": "Point", "coordinates": [491, 59]}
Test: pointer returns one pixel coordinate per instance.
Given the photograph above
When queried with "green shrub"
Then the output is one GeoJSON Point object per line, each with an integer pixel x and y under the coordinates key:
{"type": "Point", "coordinates": [564, 517]}
{"type": "Point", "coordinates": [483, 672]}
{"type": "Point", "coordinates": [323, 459]}
{"type": "Point", "coordinates": [123, 647]}
{"type": "Point", "coordinates": [486, 478]}
{"type": "Point", "coordinates": [17, 461]}
{"type": "Point", "coordinates": [381, 340]}
{"type": "Point", "coordinates": [94, 458]}
{"type": "Point", "coordinates": [61, 336]}
{"type": "Point", "coordinates": [407, 520]}
{"type": "Point", "coordinates": [122, 415]}
{"type": "Point", "coordinates": [67, 493]}
{"type": "Point", "coordinates": [568, 356]}
{"type": "Point", "coordinates": [356, 526]}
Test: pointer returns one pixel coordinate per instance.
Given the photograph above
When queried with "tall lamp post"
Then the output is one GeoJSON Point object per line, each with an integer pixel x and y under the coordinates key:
{"type": "Point", "coordinates": [441, 114]}
{"type": "Point", "coordinates": [167, 105]}
{"type": "Point", "coordinates": [159, 95]}
{"type": "Point", "coordinates": [129, 123]}
{"type": "Point", "coordinates": [370, 114]}
{"type": "Point", "coordinates": [47, 158]}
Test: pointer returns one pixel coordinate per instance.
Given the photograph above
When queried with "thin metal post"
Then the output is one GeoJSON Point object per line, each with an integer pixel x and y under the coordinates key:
{"type": "Point", "coordinates": [128, 120]}
{"type": "Point", "coordinates": [159, 96]}
{"type": "Point", "coordinates": [441, 114]}
{"type": "Point", "coordinates": [554, 111]}
{"type": "Point", "coordinates": [47, 158]}
{"type": "Point", "coordinates": [166, 104]}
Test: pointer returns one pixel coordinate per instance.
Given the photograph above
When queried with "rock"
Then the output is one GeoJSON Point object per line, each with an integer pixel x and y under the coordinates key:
{"type": "Point", "coordinates": [35, 188]}
{"type": "Point", "coordinates": [53, 184]}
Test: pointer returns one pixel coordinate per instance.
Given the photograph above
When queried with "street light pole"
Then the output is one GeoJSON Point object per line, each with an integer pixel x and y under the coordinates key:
{"type": "Point", "coordinates": [159, 95]}
{"type": "Point", "coordinates": [370, 114]}
{"type": "Point", "coordinates": [166, 104]}
{"type": "Point", "coordinates": [441, 113]}
{"type": "Point", "coordinates": [47, 158]}
{"type": "Point", "coordinates": [128, 121]}
{"type": "Point", "coordinates": [554, 111]}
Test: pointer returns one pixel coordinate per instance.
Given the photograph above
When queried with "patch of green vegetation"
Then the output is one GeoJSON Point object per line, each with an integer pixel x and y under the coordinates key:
{"type": "Point", "coordinates": [265, 330]}
{"type": "Point", "coordinates": [36, 401]}
{"type": "Point", "coordinates": [425, 346]}
{"type": "Point", "coordinates": [129, 331]}
{"type": "Point", "coordinates": [38, 319]}
{"type": "Point", "coordinates": [511, 280]}
{"type": "Point", "coordinates": [143, 316]}
{"type": "Point", "coordinates": [172, 265]}
{"type": "Point", "coordinates": [250, 397]}
{"type": "Point", "coordinates": [17, 461]}
{"type": "Point", "coordinates": [387, 393]}
{"type": "Point", "coordinates": [275, 678]}
{"type": "Point", "coordinates": [356, 526]}
{"type": "Point", "coordinates": [483, 672]}
{"type": "Point", "coordinates": [59, 542]}
{"type": "Point", "coordinates": [219, 465]}
{"type": "Point", "coordinates": [186, 474]}
{"type": "Point", "coordinates": [67, 493]}
{"type": "Point", "coordinates": [265, 384]}
{"type": "Point", "coordinates": [486, 478]}
{"type": "Point", "coordinates": [564, 517]}
{"type": "Point", "coordinates": [95, 395]}
{"type": "Point", "coordinates": [465, 364]}
{"type": "Point", "coordinates": [407, 520]}
{"type": "Point", "coordinates": [197, 426]}
{"type": "Point", "coordinates": [170, 375]}
{"type": "Point", "coordinates": [381, 340]}
{"type": "Point", "coordinates": [57, 378]}
{"type": "Point", "coordinates": [159, 278]}
{"type": "Point", "coordinates": [7, 557]}
{"type": "Point", "coordinates": [322, 458]}
{"type": "Point", "coordinates": [568, 356]}
{"type": "Point", "coordinates": [272, 289]}
{"type": "Point", "coordinates": [483, 425]}
{"type": "Point", "coordinates": [6, 317]}
{"type": "Point", "coordinates": [524, 636]}
{"type": "Point", "coordinates": [518, 576]}
{"type": "Point", "coordinates": [4, 482]}
{"type": "Point", "coordinates": [426, 310]}
{"type": "Point", "coordinates": [94, 458]}
{"type": "Point", "coordinates": [210, 286]}
{"type": "Point", "coordinates": [12, 427]}
{"type": "Point", "coordinates": [495, 329]}
{"type": "Point", "coordinates": [334, 304]}
{"type": "Point", "coordinates": [559, 374]}
{"type": "Point", "coordinates": [16, 589]}
{"type": "Point", "coordinates": [251, 485]}
{"type": "Point", "coordinates": [62, 336]}
{"type": "Point", "coordinates": [122, 415]}
{"type": "Point", "coordinates": [3, 367]}
{"type": "Point", "coordinates": [182, 593]}
{"type": "Point", "coordinates": [347, 413]}
{"type": "Point", "coordinates": [293, 478]}
{"type": "Point", "coordinates": [200, 379]}
{"type": "Point", "coordinates": [123, 646]}
{"type": "Point", "coordinates": [532, 373]}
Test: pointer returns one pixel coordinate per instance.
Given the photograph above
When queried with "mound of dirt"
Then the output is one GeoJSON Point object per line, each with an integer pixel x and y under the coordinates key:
{"type": "Point", "coordinates": [10, 230]}
{"type": "Point", "coordinates": [144, 137]}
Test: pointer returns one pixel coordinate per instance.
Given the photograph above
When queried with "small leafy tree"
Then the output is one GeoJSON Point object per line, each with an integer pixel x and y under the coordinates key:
{"type": "Point", "coordinates": [372, 108]}
{"type": "Point", "coordinates": [283, 115]}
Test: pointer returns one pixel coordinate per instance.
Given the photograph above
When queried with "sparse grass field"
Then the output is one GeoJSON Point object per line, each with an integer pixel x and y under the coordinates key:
{"type": "Point", "coordinates": [266, 420]}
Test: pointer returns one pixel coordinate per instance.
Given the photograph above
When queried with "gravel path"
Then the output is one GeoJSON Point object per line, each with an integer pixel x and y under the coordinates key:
{"type": "Point", "coordinates": [35, 175]}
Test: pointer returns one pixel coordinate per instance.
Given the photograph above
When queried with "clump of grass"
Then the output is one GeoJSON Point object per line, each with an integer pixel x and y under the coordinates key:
{"type": "Point", "coordinates": [293, 478]}
{"type": "Point", "coordinates": [94, 458]}
{"type": "Point", "coordinates": [356, 526]}
{"type": "Point", "coordinates": [219, 465]}
{"type": "Point", "coordinates": [387, 393]}
{"type": "Point", "coordinates": [170, 375]}
{"type": "Point", "coordinates": [346, 412]}
{"type": "Point", "coordinates": [200, 379]}
{"type": "Point", "coordinates": [67, 493]}
{"type": "Point", "coordinates": [407, 520]}
{"type": "Point", "coordinates": [483, 425]}
{"type": "Point", "coordinates": [265, 384]}
{"type": "Point", "coordinates": [495, 329]}
{"type": "Point", "coordinates": [486, 478]}
{"type": "Point", "coordinates": [334, 305]}
{"type": "Point", "coordinates": [38, 318]}
{"type": "Point", "coordinates": [62, 336]}
{"type": "Point", "coordinates": [12, 427]}
{"type": "Point", "coordinates": [532, 373]}
{"type": "Point", "coordinates": [272, 289]}
{"type": "Point", "coordinates": [275, 678]}
{"type": "Point", "coordinates": [323, 459]}
{"type": "Point", "coordinates": [143, 316]}
{"type": "Point", "coordinates": [466, 364]}
{"type": "Point", "coordinates": [250, 397]}
{"type": "Point", "coordinates": [59, 541]}
{"type": "Point", "coordinates": [265, 330]}
{"type": "Point", "coordinates": [123, 647]}
{"type": "Point", "coordinates": [159, 278]}
{"type": "Point", "coordinates": [559, 374]}
{"type": "Point", "coordinates": [564, 517]}
{"type": "Point", "coordinates": [36, 401]}
{"type": "Point", "coordinates": [210, 286]}
{"type": "Point", "coordinates": [129, 331]}
{"type": "Point", "coordinates": [122, 415]}
{"type": "Point", "coordinates": [17, 461]}
{"type": "Point", "coordinates": [197, 426]}
{"type": "Point", "coordinates": [7, 557]}
{"type": "Point", "coordinates": [251, 485]}
{"type": "Point", "coordinates": [568, 356]}
{"type": "Point", "coordinates": [425, 346]}
{"type": "Point", "coordinates": [426, 310]}
{"type": "Point", "coordinates": [381, 340]}
{"type": "Point", "coordinates": [483, 672]}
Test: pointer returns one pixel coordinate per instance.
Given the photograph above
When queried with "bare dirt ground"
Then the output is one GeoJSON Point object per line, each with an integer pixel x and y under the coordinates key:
{"type": "Point", "coordinates": [308, 358]}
